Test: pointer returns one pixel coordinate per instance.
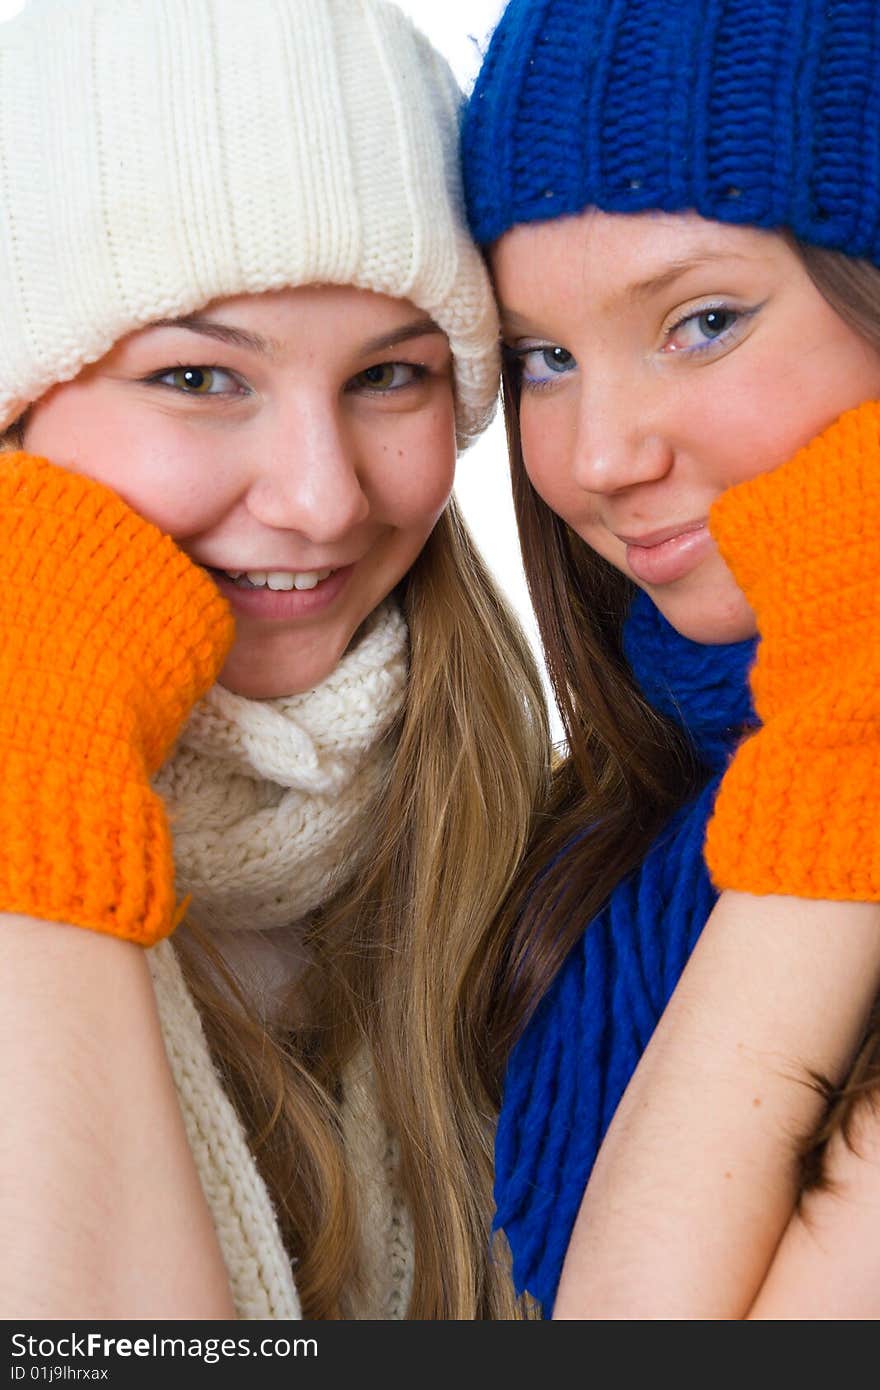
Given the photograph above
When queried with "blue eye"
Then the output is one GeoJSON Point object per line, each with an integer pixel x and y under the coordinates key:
{"type": "Point", "coordinates": [703, 329]}
{"type": "Point", "coordinates": [714, 322]}
{"type": "Point", "coordinates": [538, 366]}
{"type": "Point", "coordinates": [199, 381]}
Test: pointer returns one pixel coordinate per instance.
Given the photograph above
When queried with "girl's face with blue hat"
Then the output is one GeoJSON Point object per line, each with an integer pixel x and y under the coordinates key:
{"type": "Point", "coordinates": [663, 358]}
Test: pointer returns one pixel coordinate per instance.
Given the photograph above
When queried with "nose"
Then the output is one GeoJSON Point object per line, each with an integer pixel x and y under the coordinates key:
{"type": "Point", "coordinates": [619, 440]}
{"type": "Point", "coordinates": [312, 478]}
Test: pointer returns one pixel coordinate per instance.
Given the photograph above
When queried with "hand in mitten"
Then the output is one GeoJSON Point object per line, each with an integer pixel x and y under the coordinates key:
{"type": "Point", "coordinates": [108, 636]}
{"type": "Point", "coordinates": [798, 811]}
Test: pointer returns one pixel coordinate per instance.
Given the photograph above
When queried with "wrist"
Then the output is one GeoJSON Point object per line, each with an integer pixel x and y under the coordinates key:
{"type": "Point", "coordinates": [108, 636]}
{"type": "Point", "coordinates": [796, 815]}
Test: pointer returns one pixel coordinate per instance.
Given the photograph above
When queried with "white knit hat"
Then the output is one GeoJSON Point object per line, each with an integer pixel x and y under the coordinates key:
{"type": "Point", "coordinates": [159, 154]}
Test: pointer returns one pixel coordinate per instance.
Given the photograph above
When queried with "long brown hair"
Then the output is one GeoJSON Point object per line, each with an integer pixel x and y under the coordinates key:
{"type": "Point", "coordinates": [627, 768]}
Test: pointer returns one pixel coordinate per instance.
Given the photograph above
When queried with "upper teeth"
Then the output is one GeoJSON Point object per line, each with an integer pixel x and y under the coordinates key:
{"type": "Point", "coordinates": [281, 579]}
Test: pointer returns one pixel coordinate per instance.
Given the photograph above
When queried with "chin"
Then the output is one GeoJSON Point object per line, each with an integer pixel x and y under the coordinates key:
{"type": "Point", "coordinates": [259, 690]}
{"type": "Point", "coordinates": [713, 622]}
{"type": "Point", "coordinates": [256, 680]}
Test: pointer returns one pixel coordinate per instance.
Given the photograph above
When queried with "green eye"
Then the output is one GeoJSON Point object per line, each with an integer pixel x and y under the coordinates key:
{"type": "Point", "coordinates": [196, 381]}
{"type": "Point", "coordinates": [381, 377]}
{"type": "Point", "coordinates": [386, 378]}
{"type": "Point", "coordinates": [200, 381]}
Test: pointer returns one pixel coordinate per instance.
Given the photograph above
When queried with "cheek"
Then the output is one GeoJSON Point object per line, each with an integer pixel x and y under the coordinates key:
{"type": "Point", "coordinates": [835, 373]}
{"type": "Point", "coordinates": [780, 400]}
{"type": "Point", "coordinates": [165, 477]}
{"type": "Point", "coordinates": [548, 438]}
{"type": "Point", "coordinates": [413, 475]}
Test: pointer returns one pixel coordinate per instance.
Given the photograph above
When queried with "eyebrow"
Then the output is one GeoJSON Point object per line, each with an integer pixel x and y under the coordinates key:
{"type": "Point", "coordinates": [418, 329]}
{"type": "Point", "coordinates": [639, 290]}
{"type": "Point", "coordinates": [221, 333]}
{"type": "Point", "coordinates": [265, 347]}
{"type": "Point", "coordinates": [653, 284]}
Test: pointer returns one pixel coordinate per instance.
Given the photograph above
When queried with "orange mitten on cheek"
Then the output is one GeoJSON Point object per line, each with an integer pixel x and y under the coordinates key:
{"type": "Point", "coordinates": [109, 634]}
{"type": "Point", "coordinates": [798, 811]}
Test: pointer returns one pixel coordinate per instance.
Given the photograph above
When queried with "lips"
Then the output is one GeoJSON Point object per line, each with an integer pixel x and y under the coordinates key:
{"type": "Point", "coordinates": [662, 557]}
{"type": "Point", "coordinates": [652, 538]}
{"type": "Point", "coordinates": [283, 604]}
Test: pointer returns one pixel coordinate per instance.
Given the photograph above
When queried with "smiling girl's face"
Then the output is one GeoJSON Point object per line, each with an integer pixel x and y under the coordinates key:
{"type": "Point", "coordinates": [300, 445]}
{"type": "Point", "coordinates": [662, 359]}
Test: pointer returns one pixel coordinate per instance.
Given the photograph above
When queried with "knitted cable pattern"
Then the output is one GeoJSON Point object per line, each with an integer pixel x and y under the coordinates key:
{"type": "Point", "coordinates": [268, 797]}
{"type": "Point", "coordinates": [797, 809]}
{"type": "Point", "coordinates": [756, 112]}
{"type": "Point", "coordinates": [567, 1073]}
{"type": "Point", "coordinates": [108, 636]}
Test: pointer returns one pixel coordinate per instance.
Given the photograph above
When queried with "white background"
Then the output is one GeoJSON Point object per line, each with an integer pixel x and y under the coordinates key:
{"type": "Point", "coordinates": [460, 29]}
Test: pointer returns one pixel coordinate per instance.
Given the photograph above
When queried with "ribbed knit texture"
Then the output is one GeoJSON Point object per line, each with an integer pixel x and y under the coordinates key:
{"type": "Point", "coordinates": [156, 155]}
{"type": "Point", "coordinates": [108, 636]}
{"type": "Point", "coordinates": [797, 810]}
{"type": "Point", "coordinates": [570, 1068]}
{"type": "Point", "coordinates": [270, 804]}
{"type": "Point", "coordinates": [760, 112]}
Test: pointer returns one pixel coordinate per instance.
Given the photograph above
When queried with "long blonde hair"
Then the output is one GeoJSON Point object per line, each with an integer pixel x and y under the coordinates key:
{"type": "Point", "coordinates": [405, 961]}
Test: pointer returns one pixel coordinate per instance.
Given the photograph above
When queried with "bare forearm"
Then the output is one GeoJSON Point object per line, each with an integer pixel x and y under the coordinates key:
{"type": "Point", "coordinates": [101, 1209]}
{"type": "Point", "coordinates": [697, 1179]}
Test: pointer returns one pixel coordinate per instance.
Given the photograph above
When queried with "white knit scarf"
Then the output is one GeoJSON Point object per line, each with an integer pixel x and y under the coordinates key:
{"type": "Point", "coordinates": [267, 800]}
{"type": "Point", "coordinates": [267, 797]}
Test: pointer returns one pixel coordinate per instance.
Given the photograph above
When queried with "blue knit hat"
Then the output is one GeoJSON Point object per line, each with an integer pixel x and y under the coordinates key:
{"type": "Point", "coordinates": [763, 112]}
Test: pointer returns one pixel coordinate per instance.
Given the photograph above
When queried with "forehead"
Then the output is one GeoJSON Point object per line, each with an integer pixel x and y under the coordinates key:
{"type": "Point", "coordinates": [284, 308]}
{"type": "Point", "coordinates": [329, 320]}
{"type": "Point", "coordinates": [612, 255]}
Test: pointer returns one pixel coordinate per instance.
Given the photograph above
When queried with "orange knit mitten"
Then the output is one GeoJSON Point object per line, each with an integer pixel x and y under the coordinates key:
{"type": "Point", "coordinates": [798, 811]}
{"type": "Point", "coordinates": [108, 636]}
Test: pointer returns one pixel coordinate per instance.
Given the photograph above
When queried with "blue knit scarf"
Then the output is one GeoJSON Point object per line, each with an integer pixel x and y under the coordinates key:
{"type": "Point", "coordinates": [568, 1072]}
